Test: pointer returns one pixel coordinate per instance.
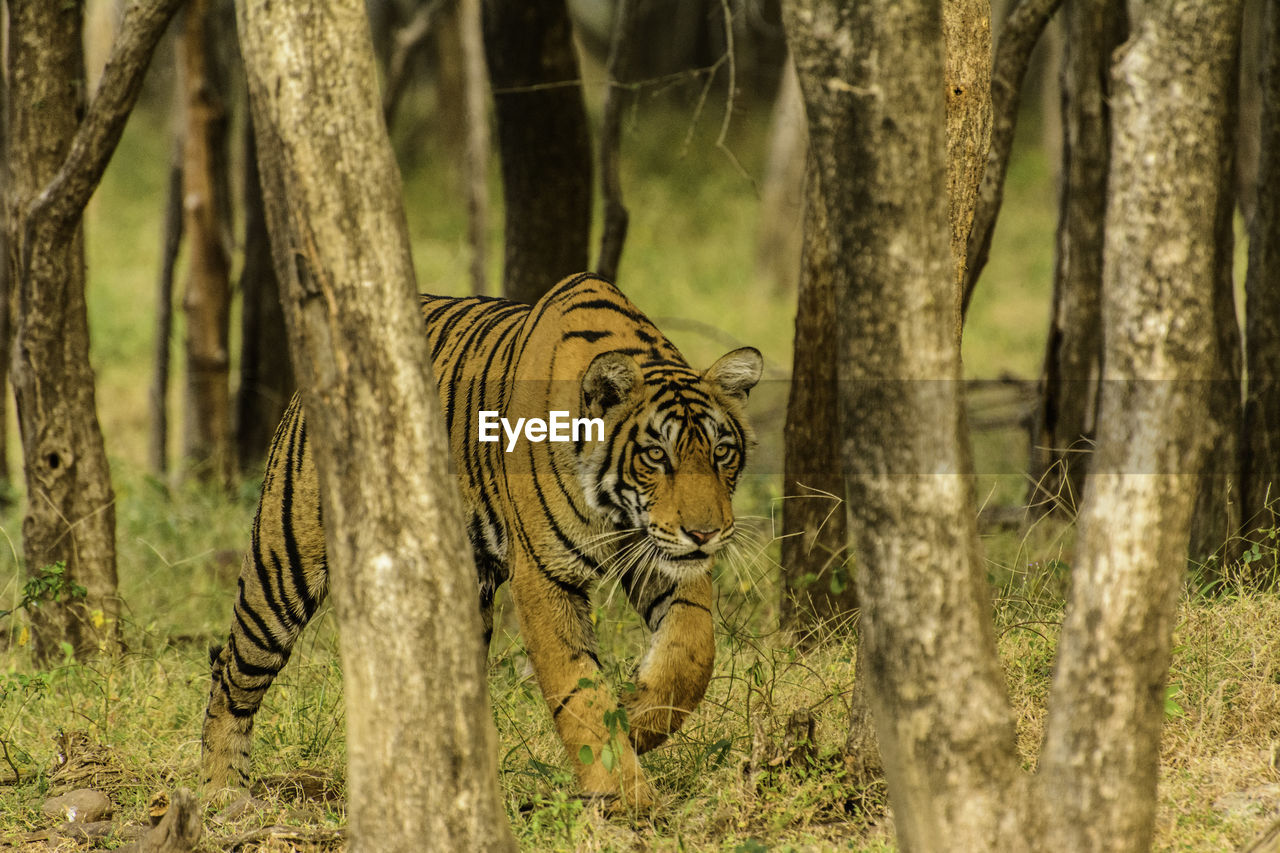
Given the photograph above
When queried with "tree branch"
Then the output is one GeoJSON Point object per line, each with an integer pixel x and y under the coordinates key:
{"type": "Point", "coordinates": [1013, 52]}
{"type": "Point", "coordinates": [62, 202]}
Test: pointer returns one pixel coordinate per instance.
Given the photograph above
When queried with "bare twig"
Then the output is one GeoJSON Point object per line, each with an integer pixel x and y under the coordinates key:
{"type": "Point", "coordinates": [1013, 52]}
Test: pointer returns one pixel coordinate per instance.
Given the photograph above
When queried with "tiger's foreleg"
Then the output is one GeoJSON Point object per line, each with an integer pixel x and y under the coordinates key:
{"type": "Point", "coordinates": [556, 626]}
{"type": "Point", "coordinates": [673, 674]}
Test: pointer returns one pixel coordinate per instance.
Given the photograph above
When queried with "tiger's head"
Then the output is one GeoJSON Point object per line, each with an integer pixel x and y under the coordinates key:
{"type": "Point", "coordinates": [675, 444]}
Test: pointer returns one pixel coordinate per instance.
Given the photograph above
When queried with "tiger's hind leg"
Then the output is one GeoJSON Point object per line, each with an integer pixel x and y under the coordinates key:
{"type": "Point", "coordinates": [283, 580]}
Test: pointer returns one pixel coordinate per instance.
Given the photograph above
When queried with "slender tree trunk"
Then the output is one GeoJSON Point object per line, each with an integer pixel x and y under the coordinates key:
{"type": "Point", "coordinates": [870, 75]}
{"type": "Point", "coordinates": [56, 160]}
{"type": "Point", "coordinates": [1064, 430]}
{"type": "Point", "coordinates": [476, 100]}
{"type": "Point", "coordinates": [6, 313]}
{"type": "Point", "coordinates": [266, 374]}
{"type": "Point", "coordinates": [543, 141]}
{"type": "Point", "coordinates": [1261, 446]}
{"type": "Point", "coordinates": [207, 436]}
{"type": "Point", "coordinates": [403, 581]}
{"type": "Point", "coordinates": [782, 205]}
{"type": "Point", "coordinates": [616, 218]}
{"type": "Point", "coordinates": [1171, 115]}
{"type": "Point", "coordinates": [171, 241]}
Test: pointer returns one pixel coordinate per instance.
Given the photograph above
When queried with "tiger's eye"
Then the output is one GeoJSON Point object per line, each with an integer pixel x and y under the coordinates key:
{"type": "Point", "coordinates": [654, 455]}
{"type": "Point", "coordinates": [724, 452]}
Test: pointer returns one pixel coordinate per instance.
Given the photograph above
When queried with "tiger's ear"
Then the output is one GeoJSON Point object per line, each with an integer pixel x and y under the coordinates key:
{"type": "Point", "coordinates": [611, 378]}
{"type": "Point", "coordinates": [736, 373]}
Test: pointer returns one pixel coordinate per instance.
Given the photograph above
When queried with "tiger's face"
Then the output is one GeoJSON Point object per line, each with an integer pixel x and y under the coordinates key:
{"type": "Point", "coordinates": [675, 444]}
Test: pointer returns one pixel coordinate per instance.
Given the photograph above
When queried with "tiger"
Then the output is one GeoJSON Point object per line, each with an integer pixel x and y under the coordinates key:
{"type": "Point", "coordinates": [645, 504]}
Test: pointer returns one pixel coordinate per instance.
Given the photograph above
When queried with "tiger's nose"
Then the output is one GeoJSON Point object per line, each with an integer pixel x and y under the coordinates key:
{"type": "Point", "coordinates": [700, 537]}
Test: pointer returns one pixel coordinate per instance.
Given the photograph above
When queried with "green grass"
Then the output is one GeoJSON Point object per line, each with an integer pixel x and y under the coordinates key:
{"type": "Point", "coordinates": [689, 261]}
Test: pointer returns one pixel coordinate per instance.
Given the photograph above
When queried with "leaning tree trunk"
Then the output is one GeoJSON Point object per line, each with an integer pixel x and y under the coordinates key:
{"type": "Point", "coordinates": [403, 581]}
{"type": "Point", "coordinates": [1064, 429]}
{"type": "Point", "coordinates": [1261, 448]}
{"type": "Point", "coordinates": [207, 436]}
{"type": "Point", "coordinates": [543, 140]}
{"type": "Point", "coordinates": [55, 162]}
{"type": "Point", "coordinates": [1171, 115]}
{"type": "Point", "coordinates": [966, 36]}
{"type": "Point", "coordinates": [871, 76]}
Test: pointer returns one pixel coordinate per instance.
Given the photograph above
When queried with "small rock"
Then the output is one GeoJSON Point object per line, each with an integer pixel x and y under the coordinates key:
{"type": "Point", "coordinates": [83, 805]}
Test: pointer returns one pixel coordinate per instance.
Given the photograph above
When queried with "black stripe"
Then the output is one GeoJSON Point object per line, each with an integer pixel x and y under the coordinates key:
{"type": "Point", "coordinates": [590, 336]}
{"type": "Point", "coordinates": [653, 605]}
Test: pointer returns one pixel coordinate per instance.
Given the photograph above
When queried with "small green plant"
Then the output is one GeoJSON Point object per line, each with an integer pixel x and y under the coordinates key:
{"type": "Point", "coordinates": [49, 584]}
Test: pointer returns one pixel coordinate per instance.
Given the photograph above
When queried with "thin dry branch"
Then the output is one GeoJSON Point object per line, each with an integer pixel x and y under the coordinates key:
{"type": "Point", "coordinates": [408, 40]}
{"type": "Point", "coordinates": [1013, 52]}
{"type": "Point", "coordinates": [62, 202]}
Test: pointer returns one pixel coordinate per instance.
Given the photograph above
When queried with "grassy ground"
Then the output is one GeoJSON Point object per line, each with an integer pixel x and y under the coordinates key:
{"type": "Point", "coordinates": [688, 260]}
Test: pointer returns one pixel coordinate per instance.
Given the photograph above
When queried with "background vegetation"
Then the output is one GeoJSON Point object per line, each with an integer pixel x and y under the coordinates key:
{"type": "Point", "coordinates": [732, 780]}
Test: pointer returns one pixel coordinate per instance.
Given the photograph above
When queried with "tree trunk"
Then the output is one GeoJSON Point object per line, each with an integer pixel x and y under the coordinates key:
{"type": "Point", "coordinates": [543, 141]}
{"type": "Point", "coordinates": [171, 242]}
{"type": "Point", "coordinates": [207, 437]}
{"type": "Point", "coordinates": [779, 235]}
{"type": "Point", "coordinates": [476, 110]}
{"type": "Point", "coordinates": [870, 75]}
{"type": "Point", "coordinates": [55, 164]}
{"type": "Point", "coordinates": [817, 573]}
{"type": "Point", "coordinates": [403, 581]}
{"type": "Point", "coordinates": [1261, 446]}
{"type": "Point", "coordinates": [966, 36]}
{"type": "Point", "coordinates": [266, 374]}
{"type": "Point", "coordinates": [1064, 430]}
{"type": "Point", "coordinates": [1216, 520]}
{"type": "Point", "coordinates": [6, 317]}
{"type": "Point", "coordinates": [1171, 95]}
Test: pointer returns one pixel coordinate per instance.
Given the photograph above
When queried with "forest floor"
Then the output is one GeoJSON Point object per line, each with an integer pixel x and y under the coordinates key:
{"type": "Point", "coordinates": [130, 726]}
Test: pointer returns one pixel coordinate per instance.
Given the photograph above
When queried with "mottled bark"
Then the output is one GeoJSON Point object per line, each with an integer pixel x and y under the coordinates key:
{"type": "Point", "coordinates": [207, 437]}
{"type": "Point", "coordinates": [1171, 90]}
{"type": "Point", "coordinates": [817, 572]}
{"type": "Point", "coordinates": [1064, 429]}
{"type": "Point", "coordinates": [403, 582]}
{"type": "Point", "coordinates": [870, 74]}
{"type": "Point", "coordinates": [541, 125]}
{"type": "Point", "coordinates": [966, 37]}
{"type": "Point", "coordinates": [1261, 447]}
{"type": "Point", "coordinates": [56, 159]}
{"type": "Point", "coordinates": [266, 374]}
